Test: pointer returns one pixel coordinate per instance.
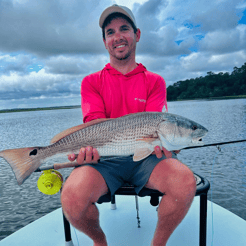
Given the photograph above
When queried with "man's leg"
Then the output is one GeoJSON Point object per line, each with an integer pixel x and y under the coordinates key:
{"type": "Point", "coordinates": [82, 189]}
{"type": "Point", "coordinates": [177, 181]}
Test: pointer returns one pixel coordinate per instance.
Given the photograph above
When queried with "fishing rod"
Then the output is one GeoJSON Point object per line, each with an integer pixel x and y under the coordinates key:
{"type": "Point", "coordinates": [57, 166]}
{"type": "Point", "coordinates": [216, 144]}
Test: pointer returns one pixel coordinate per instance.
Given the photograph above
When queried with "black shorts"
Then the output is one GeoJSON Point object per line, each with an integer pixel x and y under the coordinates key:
{"type": "Point", "coordinates": [119, 170]}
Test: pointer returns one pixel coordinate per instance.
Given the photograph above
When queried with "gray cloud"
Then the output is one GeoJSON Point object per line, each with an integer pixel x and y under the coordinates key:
{"type": "Point", "coordinates": [158, 39]}
{"type": "Point", "coordinates": [59, 75]}
{"type": "Point", "coordinates": [220, 15]}
{"type": "Point", "coordinates": [179, 40]}
{"type": "Point", "coordinates": [214, 62]}
{"type": "Point", "coordinates": [17, 63]}
{"type": "Point", "coordinates": [230, 40]}
{"type": "Point", "coordinates": [77, 65]}
{"type": "Point", "coordinates": [147, 14]}
{"type": "Point", "coordinates": [51, 27]}
{"type": "Point", "coordinates": [163, 43]}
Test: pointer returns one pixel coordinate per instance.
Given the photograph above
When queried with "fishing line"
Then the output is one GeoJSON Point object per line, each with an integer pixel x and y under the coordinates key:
{"type": "Point", "coordinates": [211, 185]}
{"type": "Point", "coordinates": [76, 236]}
{"type": "Point", "coordinates": [212, 174]}
{"type": "Point", "coordinates": [211, 188]}
{"type": "Point", "coordinates": [216, 144]}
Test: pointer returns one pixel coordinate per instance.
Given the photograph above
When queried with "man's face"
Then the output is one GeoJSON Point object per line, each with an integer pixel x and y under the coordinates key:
{"type": "Point", "coordinates": [120, 39]}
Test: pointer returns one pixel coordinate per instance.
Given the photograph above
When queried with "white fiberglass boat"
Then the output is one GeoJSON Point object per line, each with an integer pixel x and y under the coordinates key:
{"type": "Point", "coordinates": [121, 228]}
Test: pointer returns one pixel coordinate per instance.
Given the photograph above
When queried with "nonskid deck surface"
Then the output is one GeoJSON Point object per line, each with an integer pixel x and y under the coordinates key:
{"type": "Point", "coordinates": [120, 227]}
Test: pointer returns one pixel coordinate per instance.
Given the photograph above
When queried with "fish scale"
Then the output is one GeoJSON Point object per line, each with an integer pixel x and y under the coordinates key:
{"type": "Point", "coordinates": [112, 142]}
{"type": "Point", "coordinates": [135, 134]}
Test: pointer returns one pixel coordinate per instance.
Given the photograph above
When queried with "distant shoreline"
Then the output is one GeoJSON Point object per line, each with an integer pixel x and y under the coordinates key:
{"type": "Point", "coordinates": [78, 106]}
{"type": "Point", "coordinates": [37, 109]}
{"type": "Point", "coordinates": [211, 98]}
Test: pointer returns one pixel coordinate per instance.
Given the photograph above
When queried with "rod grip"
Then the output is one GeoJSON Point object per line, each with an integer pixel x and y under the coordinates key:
{"type": "Point", "coordinates": [66, 165]}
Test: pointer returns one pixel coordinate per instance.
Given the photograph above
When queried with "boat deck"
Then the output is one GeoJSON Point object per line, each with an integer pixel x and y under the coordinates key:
{"type": "Point", "coordinates": [120, 227]}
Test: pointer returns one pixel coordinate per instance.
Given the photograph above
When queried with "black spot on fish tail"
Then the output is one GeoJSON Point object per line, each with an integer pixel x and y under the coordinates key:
{"type": "Point", "coordinates": [33, 152]}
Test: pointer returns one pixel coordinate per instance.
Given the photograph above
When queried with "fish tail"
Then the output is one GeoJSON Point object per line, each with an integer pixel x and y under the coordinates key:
{"type": "Point", "coordinates": [23, 161]}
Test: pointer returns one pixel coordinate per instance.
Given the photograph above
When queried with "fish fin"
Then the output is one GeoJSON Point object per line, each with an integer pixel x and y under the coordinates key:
{"type": "Point", "coordinates": [22, 161]}
{"type": "Point", "coordinates": [166, 144]}
{"type": "Point", "coordinates": [148, 139]}
{"type": "Point", "coordinates": [142, 153]}
{"type": "Point", "coordinates": [71, 130]}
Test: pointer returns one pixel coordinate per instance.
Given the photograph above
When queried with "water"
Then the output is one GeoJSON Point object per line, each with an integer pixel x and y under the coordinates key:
{"type": "Point", "coordinates": [225, 120]}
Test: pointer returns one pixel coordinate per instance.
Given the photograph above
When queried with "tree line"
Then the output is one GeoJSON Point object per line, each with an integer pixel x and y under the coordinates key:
{"type": "Point", "coordinates": [212, 85]}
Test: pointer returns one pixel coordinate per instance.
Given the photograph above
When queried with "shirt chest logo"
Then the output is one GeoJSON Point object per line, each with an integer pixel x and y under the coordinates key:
{"type": "Point", "coordinates": [140, 100]}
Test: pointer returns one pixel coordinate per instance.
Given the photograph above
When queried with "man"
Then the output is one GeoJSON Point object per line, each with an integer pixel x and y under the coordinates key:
{"type": "Point", "coordinates": [124, 87]}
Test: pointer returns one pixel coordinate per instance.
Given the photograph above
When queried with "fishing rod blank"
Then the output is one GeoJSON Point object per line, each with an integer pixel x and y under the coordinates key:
{"type": "Point", "coordinates": [74, 164]}
{"type": "Point", "coordinates": [215, 144]}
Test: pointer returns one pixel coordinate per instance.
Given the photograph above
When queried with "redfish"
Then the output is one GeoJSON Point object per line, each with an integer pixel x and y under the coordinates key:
{"type": "Point", "coordinates": [134, 134]}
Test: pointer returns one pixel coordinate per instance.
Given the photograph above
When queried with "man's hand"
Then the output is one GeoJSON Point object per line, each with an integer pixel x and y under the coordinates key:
{"type": "Point", "coordinates": [86, 155]}
{"type": "Point", "coordinates": [159, 152]}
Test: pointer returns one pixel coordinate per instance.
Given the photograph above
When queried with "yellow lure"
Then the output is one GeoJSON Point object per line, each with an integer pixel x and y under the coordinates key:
{"type": "Point", "coordinates": [50, 182]}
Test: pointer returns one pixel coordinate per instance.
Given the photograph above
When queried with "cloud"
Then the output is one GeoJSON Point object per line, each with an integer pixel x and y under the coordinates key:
{"type": "Point", "coordinates": [38, 83]}
{"type": "Point", "coordinates": [47, 47]}
{"type": "Point", "coordinates": [78, 65]}
{"type": "Point", "coordinates": [15, 63]}
{"type": "Point", "coordinates": [158, 39]}
{"type": "Point", "coordinates": [225, 41]}
{"type": "Point", "coordinates": [203, 15]}
{"type": "Point", "coordinates": [147, 14]}
{"type": "Point", "coordinates": [51, 27]}
{"type": "Point", "coordinates": [220, 15]}
{"type": "Point", "coordinates": [214, 62]}
{"type": "Point", "coordinates": [60, 75]}
{"type": "Point", "coordinates": [163, 42]}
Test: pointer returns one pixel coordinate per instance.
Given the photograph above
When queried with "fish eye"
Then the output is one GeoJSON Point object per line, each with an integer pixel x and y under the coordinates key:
{"type": "Point", "coordinates": [194, 127]}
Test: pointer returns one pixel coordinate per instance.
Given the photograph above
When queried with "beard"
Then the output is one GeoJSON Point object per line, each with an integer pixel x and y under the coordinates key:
{"type": "Point", "coordinates": [123, 56]}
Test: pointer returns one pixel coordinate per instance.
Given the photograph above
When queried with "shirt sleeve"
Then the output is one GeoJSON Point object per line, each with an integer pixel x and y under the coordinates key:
{"type": "Point", "coordinates": [91, 101]}
{"type": "Point", "coordinates": [157, 98]}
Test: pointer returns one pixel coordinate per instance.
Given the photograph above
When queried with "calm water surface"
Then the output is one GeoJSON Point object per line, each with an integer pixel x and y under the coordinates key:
{"type": "Point", "coordinates": [226, 170]}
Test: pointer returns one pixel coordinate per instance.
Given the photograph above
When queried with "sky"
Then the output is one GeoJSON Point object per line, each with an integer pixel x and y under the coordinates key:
{"type": "Point", "coordinates": [48, 46]}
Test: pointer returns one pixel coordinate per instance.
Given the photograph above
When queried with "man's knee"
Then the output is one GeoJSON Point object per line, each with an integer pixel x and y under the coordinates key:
{"type": "Point", "coordinates": [188, 189]}
{"type": "Point", "coordinates": [185, 186]}
{"type": "Point", "coordinates": [176, 179]}
{"type": "Point", "coordinates": [73, 203]}
{"type": "Point", "coordinates": [84, 186]}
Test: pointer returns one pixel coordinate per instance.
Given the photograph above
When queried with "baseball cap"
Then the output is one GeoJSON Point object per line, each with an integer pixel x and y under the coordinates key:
{"type": "Point", "coordinates": [116, 9]}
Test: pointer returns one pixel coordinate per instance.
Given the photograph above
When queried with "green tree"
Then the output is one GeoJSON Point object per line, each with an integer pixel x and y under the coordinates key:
{"type": "Point", "coordinates": [212, 85]}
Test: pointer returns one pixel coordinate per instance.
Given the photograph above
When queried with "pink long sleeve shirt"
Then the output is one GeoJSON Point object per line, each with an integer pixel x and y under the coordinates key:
{"type": "Point", "coordinates": [110, 94]}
